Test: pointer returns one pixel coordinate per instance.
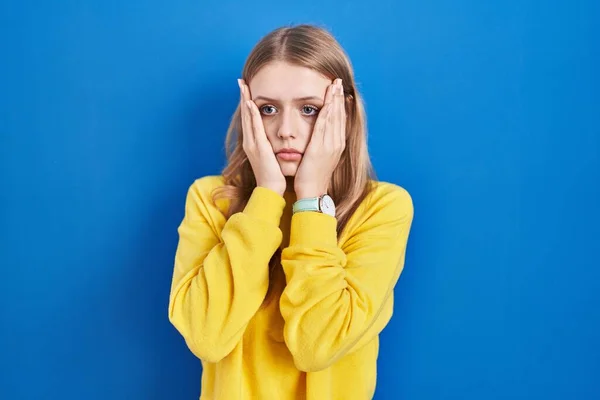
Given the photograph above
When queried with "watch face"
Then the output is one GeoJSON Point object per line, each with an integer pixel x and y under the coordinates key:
{"type": "Point", "coordinates": [327, 205]}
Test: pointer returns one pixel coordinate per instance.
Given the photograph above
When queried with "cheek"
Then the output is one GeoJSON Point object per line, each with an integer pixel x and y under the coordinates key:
{"type": "Point", "coordinates": [270, 128]}
{"type": "Point", "coordinates": [307, 127]}
{"type": "Point", "coordinates": [310, 124]}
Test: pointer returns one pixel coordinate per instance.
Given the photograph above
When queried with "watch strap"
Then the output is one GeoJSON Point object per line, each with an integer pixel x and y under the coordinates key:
{"type": "Point", "coordinates": [309, 204]}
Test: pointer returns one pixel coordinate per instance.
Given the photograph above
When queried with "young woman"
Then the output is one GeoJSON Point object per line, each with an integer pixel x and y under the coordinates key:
{"type": "Point", "coordinates": [286, 263]}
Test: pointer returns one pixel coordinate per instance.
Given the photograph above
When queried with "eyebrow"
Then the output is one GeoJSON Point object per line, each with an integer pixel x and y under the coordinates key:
{"type": "Point", "coordinates": [298, 99]}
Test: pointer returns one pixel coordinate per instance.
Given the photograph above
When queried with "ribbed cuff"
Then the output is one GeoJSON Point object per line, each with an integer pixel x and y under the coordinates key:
{"type": "Point", "coordinates": [313, 228]}
{"type": "Point", "coordinates": [265, 204]}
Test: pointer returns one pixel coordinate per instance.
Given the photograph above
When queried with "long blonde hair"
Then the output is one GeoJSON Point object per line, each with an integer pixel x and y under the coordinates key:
{"type": "Point", "coordinates": [315, 48]}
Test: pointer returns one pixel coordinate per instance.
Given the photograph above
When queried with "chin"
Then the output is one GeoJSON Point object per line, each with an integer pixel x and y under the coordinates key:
{"type": "Point", "coordinates": [289, 169]}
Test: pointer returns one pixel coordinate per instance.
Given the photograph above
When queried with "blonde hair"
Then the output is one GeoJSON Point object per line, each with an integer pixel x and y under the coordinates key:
{"type": "Point", "coordinates": [315, 48]}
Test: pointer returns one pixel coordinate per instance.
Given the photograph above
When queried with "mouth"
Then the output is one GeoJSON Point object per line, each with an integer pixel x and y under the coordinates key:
{"type": "Point", "coordinates": [289, 155]}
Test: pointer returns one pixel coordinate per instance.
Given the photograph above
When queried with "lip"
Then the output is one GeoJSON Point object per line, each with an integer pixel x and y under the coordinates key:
{"type": "Point", "coordinates": [289, 154]}
{"type": "Point", "coordinates": [289, 151]}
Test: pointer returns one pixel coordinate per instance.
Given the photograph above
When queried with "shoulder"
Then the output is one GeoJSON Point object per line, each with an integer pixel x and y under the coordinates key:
{"type": "Point", "coordinates": [206, 184]}
{"type": "Point", "coordinates": [387, 206]}
{"type": "Point", "coordinates": [390, 200]}
{"type": "Point", "coordinates": [200, 193]}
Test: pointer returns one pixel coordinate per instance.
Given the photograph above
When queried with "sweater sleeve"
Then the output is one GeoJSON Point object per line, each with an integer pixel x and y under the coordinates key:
{"type": "Point", "coordinates": [336, 300]}
{"type": "Point", "coordinates": [220, 279]}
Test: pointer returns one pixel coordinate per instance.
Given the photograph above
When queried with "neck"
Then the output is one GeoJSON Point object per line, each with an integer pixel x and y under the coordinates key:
{"type": "Point", "coordinates": [290, 183]}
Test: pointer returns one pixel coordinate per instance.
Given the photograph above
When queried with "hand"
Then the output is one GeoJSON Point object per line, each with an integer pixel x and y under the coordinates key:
{"type": "Point", "coordinates": [326, 146]}
{"type": "Point", "coordinates": [257, 147]}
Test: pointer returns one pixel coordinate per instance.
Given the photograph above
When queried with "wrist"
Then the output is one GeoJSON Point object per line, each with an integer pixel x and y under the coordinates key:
{"type": "Point", "coordinates": [275, 188]}
{"type": "Point", "coordinates": [308, 195]}
{"type": "Point", "coordinates": [305, 193]}
{"type": "Point", "coordinates": [321, 203]}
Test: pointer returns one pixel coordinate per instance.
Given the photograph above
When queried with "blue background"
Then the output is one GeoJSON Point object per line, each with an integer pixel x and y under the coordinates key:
{"type": "Point", "coordinates": [487, 112]}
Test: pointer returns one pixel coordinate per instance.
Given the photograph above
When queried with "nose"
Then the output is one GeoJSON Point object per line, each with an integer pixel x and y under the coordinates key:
{"type": "Point", "coordinates": [286, 127]}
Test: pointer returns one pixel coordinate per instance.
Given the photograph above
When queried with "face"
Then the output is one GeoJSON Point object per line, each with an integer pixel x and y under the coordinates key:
{"type": "Point", "coordinates": [289, 98]}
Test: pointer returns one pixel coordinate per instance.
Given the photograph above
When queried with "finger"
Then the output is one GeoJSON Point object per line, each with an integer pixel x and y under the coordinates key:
{"type": "Point", "coordinates": [340, 123]}
{"type": "Point", "coordinates": [333, 139]}
{"type": "Point", "coordinates": [242, 96]}
{"type": "Point", "coordinates": [248, 134]}
{"type": "Point", "coordinates": [320, 125]}
{"type": "Point", "coordinates": [329, 93]}
{"type": "Point", "coordinates": [328, 138]}
{"type": "Point", "coordinates": [243, 108]}
{"type": "Point", "coordinates": [328, 100]}
{"type": "Point", "coordinates": [260, 137]}
{"type": "Point", "coordinates": [344, 121]}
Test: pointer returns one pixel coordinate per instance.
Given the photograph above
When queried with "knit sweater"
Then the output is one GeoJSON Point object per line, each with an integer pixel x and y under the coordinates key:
{"type": "Point", "coordinates": [319, 338]}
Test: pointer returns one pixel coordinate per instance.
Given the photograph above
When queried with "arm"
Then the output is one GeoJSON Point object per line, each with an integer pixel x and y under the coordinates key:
{"type": "Point", "coordinates": [220, 282]}
{"type": "Point", "coordinates": [336, 300]}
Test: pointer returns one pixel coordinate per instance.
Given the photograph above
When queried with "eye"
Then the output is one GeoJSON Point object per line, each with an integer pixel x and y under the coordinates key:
{"type": "Point", "coordinates": [268, 109]}
{"type": "Point", "coordinates": [310, 110]}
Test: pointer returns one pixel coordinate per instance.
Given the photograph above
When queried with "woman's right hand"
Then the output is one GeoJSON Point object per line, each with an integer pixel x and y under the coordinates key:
{"type": "Point", "coordinates": [256, 145]}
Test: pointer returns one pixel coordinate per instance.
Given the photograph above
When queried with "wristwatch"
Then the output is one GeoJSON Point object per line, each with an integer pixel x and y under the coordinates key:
{"type": "Point", "coordinates": [323, 204]}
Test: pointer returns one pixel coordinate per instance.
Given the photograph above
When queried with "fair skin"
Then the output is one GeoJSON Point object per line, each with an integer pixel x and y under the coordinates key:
{"type": "Point", "coordinates": [291, 107]}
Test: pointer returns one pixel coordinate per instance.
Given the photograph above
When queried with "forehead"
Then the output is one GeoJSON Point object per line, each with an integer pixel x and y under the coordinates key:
{"type": "Point", "coordinates": [285, 81]}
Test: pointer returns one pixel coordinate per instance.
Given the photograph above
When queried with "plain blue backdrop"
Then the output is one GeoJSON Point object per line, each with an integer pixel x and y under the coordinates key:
{"type": "Point", "coordinates": [488, 113]}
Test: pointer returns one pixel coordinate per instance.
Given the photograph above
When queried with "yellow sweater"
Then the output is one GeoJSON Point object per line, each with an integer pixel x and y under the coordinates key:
{"type": "Point", "coordinates": [320, 341]}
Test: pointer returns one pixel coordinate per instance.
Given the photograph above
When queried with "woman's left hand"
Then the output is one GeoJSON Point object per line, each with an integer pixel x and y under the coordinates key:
{"type": "Point", "coordinates": [326, 146]}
